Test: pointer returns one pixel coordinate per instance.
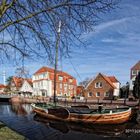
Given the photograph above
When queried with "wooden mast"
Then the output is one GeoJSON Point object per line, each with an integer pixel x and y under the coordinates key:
{"type": "Point", "coordinates": [56, 60]}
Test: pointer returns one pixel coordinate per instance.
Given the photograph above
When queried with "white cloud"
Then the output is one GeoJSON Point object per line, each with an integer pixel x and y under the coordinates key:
{"type": "Point", "coordinates": [106, 25]}
{"type": "Point", "coordinates": [109, 40]}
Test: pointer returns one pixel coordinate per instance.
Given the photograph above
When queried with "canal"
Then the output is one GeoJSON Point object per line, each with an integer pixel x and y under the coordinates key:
{"type": "Point", "coordinates": [21, 119]}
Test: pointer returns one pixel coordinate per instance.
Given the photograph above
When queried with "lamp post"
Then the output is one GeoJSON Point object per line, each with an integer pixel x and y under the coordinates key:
{"type": "Point", "coordinates": [126, 92]}
{"type": "Point", "coordinates": [56, 60]}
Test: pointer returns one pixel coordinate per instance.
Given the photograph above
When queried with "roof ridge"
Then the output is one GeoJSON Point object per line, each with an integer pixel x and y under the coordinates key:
{"type": "Point", "coordinates": [108, 80]}
{"type": "Point", "coordinates": [52, 69]}
{"type": "Point", "coordinates": [138, 63]}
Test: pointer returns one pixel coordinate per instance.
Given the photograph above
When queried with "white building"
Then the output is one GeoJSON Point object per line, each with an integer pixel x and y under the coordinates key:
{"type": "Point", "coordinates": [116, 83]}
{"type": "Point", "coordinates": [26, 88]}
{"type": "Point", "coordinates": [43, 83]}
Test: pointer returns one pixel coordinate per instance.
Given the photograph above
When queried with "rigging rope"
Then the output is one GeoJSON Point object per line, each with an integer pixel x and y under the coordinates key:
{"type": "Point", "coordinates": [75, 69]}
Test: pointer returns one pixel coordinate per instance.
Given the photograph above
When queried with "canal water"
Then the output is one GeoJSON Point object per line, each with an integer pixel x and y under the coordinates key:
{"type": "Point", "coordinates": [21, 119]}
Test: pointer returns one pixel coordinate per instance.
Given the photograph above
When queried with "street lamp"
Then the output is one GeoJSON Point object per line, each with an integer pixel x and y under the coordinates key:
{"type": "Point", "coordinates": [126, 92]}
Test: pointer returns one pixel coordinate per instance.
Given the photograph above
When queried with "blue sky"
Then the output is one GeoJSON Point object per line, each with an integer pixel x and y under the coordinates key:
{"type": "Point", "coordinates": [112, 48]}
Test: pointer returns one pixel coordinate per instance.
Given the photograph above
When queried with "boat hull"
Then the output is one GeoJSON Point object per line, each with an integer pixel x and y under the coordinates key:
{"type": "Point", "coordinates": [63, 114]}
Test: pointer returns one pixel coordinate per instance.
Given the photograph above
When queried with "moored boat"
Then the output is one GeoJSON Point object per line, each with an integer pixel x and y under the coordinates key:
{"type": "Point", "coordinates": [84, 115]}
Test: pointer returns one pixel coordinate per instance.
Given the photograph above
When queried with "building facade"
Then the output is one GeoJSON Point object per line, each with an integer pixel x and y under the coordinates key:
{"type": "Point", "coordinates": [2, 88]}
{"type": "Point", "coordinates": [133, 73]}
{"type": "Point", "coordinates": [27, 87]}
{"type": "Point", "coordinates": [21, 85]}
{"type": "Point", "coordinates": [102, 87]}
{"type": "Point", "coordinates": [43, 83]}
{"type": "Point", "coordinates": [80, 90]}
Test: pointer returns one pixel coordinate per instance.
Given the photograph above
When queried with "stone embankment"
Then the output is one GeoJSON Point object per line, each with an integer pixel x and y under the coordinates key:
{"type": "Point", "coordinates": [91, 103]}
{"type": "Point", "coordinates": [19, 99]}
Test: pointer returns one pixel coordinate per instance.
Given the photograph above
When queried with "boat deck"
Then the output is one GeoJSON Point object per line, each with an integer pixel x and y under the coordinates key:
{"type": "Point", "coordinates": [83, 110]}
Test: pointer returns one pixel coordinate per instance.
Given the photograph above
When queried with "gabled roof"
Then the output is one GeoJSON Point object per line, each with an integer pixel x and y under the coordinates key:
{"type": "Point", "coordinates": [59, 73]}
{"type": "Point", "coordinates": [51, 70]}
{"type": "Point", "coordinates": [43, 70]}
{"type": "Point", "coordinates": [136, 66]}
{"type": "Point", "coordinates": [113, 79]}
{"type": "Point", "coordinates": [2, 86]}
{"type": "Point", "coordinates": [109, 79]}
{"type": "Point", "coordinates": [19, 81]}
{"type": "Point", "coordinates": [29, 81]}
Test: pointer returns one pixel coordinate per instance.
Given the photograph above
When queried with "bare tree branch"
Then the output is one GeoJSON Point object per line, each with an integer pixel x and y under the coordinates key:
{"type": "Point", "coordinates": [30, 26]}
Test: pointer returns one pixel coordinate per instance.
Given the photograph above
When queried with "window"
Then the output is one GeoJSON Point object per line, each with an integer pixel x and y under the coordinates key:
{"type": "Point", "coordinates": [60, 85]}
{"type": "Point", "coordinates": [41, 83]}
{"type": "Point", "coordinates": [133, 82]}
{"type": "Point", "coordinates": [106, 94]}
{"type": "Point", "coordinates": [44, 75]}
{"type": "Point", "coordinates": [98, 85]}
{"type": "Point", "coordinates": [98, 94]}
{"type": "Point", "coordinates": [90, 94]}
{"type": "Point", "coordinates": [70, 80]}
{"type": "Point", "coordinates": [138, 72]}
{"type": "Point", "coordinates": [60, 78]}
{"type": "Point", "coordinates": [38, 85]}
{"type": "Point", "coordinates": [134, 72]}
{"type": "Point", "coordinates": [69, 86]}
{"type": "Point", "coordinates": [65, 88]}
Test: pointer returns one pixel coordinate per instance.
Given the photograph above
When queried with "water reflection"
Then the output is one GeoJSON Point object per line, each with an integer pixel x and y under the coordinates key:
{"type": "Point", "coordinates": [20, 118]}
{"type": "Point", "coordinates": [105, 130]}
{"type": "Point", "coordinates": [21, 109]}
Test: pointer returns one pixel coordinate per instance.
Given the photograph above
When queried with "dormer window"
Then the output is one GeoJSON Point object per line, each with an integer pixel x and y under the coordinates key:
{"type": "Point", "coordinates": [60, 78]}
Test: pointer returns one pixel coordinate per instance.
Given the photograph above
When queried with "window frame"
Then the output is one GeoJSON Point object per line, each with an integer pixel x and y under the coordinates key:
{"type": "Point", "coordinates": [97, 93]}
{"type": "Point", "coordinates": [105, 94]}
{"type": "Point", "coordinates": [98, 85]}
{"type": "Point", "coordinates": [90, 94]}
{"type": "Point", "coordinates": [60, 78]}
{"type": "Point", "coordinates": [134, 72]}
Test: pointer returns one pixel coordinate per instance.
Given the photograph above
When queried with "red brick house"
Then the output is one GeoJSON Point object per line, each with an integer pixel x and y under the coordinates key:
{"type": "Point", "coordinates": [102, 87]}
{"type": "Point", "coordinates": [43, 83]}
{"type": "Point", "coordinates": [80, 90]}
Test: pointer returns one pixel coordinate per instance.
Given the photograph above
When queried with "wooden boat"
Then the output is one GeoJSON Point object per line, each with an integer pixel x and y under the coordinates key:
{"type": "Point", "coordinates": [84, 115]}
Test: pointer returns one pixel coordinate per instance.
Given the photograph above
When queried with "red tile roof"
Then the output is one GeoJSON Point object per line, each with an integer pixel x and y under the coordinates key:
{"type": "Point", "coordinates": [136, 66]}
{"type": "Point", "coordinates": [113, 79]}
{"type": "Point", "coordinates": [19, 81]}
{"type": "Point", "coordinates": [65, 75]}
{"type": "Point", "coordinates": [29, 81]}
{"type": "Point", "coordinates": [79, 89]}
{"type": "Point", "coordinates": [44, 69]}
{"type": "Point", "coordinates": [108, 80]}
{"type": "Point", "coordinates": [2, 86]}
